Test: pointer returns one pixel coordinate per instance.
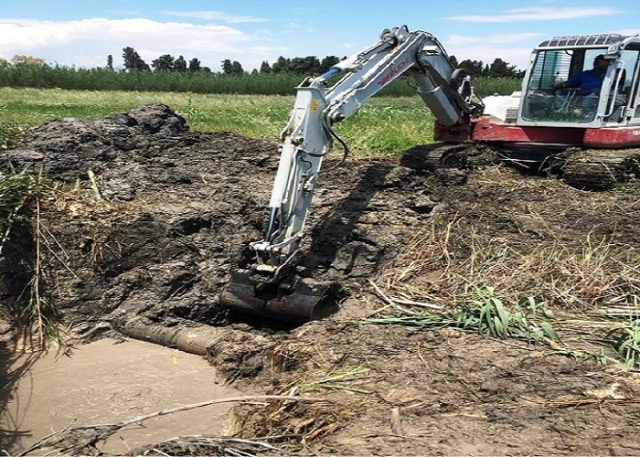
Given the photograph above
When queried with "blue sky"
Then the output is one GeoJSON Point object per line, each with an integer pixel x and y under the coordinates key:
{"type": "Point", "coordinates": [84, 33]}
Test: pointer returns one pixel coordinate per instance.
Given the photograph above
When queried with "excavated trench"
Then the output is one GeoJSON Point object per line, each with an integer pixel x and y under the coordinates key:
{"type": "Point", "coordinates": [150, 219]}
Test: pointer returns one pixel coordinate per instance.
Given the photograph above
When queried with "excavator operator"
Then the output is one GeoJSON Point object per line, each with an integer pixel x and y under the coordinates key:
{"type": "Point", "coordinates": [588, 81]}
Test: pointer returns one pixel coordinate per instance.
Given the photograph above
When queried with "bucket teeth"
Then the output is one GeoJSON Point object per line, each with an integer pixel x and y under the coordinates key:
{"type": "Point", "coordinates": [292, 302]}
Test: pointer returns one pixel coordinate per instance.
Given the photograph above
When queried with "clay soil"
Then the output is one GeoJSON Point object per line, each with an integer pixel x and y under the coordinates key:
{"type": "Point", "coordinates": [148, 220]}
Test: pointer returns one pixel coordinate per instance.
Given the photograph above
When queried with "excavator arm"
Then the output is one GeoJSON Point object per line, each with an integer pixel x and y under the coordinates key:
{"type": "Point", "coordinates": [269, 285]}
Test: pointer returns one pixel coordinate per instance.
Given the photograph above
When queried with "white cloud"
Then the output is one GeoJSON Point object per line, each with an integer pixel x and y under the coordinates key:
{"type": "Point", "coordinates": [512, 48]}
{"type": "Point", "coordinates": [216, 16]}
{"type": "Point", "coordinates": [300, 28]}
{"type": "Point", "coordinates": [540, 13]}
{"type": "Point", "coordinates": [88, 42]}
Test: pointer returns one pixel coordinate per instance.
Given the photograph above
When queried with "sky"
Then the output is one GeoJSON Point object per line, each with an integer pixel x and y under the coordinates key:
{"type": "Point", "coordinates": [82, 33]}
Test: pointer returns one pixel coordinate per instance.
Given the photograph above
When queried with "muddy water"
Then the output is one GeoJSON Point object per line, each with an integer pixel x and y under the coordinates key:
{"type": "Point", "coordinates": [111, 382]}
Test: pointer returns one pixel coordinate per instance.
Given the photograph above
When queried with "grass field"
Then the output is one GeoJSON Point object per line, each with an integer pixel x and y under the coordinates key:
{"type": "Point", "coordinates": [382, 127]}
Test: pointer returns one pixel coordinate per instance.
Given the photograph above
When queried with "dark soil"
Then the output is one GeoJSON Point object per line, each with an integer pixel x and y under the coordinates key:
{"type": "Point", "coordinates": [172, 211]}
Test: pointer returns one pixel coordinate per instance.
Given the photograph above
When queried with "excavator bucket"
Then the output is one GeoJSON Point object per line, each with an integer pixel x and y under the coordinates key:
{"type": "Point", "coordinates": [293, 302]}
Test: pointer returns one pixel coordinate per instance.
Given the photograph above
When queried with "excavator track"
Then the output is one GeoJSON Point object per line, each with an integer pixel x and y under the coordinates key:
{"type": "Point", "coordinates": [587, 169]}
{"type": "Point", "coordinates": [599, 169]}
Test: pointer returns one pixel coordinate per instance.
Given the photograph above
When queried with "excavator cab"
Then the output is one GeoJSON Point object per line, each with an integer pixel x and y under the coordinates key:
{"type": "Point", "coordinates": [559, 59]}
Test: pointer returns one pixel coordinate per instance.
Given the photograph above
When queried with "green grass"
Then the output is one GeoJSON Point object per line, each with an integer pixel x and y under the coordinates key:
{"type": "Point", "coordinates": [625, 339]}
{"type": "Point", "coordinates": [385, 126]}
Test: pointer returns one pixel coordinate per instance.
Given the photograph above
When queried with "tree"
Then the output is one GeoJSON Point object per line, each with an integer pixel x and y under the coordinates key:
{"type": "Point", "coordinates": [180, 64]}
{"type": "Point", "coordinates": [163, 63]}
{"type": "Point", "coordinates": [236, 68]}
{"type": "Point", "coordinates": [309, 65]}
{"type": "Point", "coordinates": [472, 67]}
{"type": "Point", "coordinates": [281, 65]}
{"type": "Point", "coordinates": [232, 68]}
{"type": "Point", "coordinates": [110, 62]}
{"type": "Point", "coordinates": [195, 65]}
{"type": "Point", "coordinates": [226, 66]}
{"type": "Point", "coordinates": [265, 67]}
{"type": "Point", "coordinates": [499, 69]}
{"type": "Point", "coordinates": [327, 63]}
{"type": "Point", "coordinates": [133, 61]}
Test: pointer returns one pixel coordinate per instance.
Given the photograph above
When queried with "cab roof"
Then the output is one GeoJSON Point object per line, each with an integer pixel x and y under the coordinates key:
{"type": "Point", "coordinates": [585, 41]}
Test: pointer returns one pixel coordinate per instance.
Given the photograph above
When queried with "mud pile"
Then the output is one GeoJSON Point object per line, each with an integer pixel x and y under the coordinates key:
{"type": "Point", "coordinates": [151, 218]}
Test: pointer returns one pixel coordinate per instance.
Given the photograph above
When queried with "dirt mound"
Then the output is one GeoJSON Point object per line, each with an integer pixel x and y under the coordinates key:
{"type": "Point", "coordinates": [154, 217]}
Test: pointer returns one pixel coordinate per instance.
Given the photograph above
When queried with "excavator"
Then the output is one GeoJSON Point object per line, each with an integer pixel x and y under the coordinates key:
{"type": "Point", "coordinates": [530, 124]}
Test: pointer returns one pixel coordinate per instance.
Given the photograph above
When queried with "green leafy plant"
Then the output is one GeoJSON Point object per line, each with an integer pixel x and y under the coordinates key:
{"type": "Point", "coordinates": [625, 339]}
{"type": "Point", "coordinates": [483, 313]}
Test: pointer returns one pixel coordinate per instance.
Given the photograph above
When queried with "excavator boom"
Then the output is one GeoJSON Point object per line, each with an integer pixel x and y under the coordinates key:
{"type": "Point", "coordinates": [269, 285]}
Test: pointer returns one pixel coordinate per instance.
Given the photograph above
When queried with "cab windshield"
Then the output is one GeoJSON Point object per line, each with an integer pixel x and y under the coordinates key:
{"type": "Point", "coordinates": [544, 103]}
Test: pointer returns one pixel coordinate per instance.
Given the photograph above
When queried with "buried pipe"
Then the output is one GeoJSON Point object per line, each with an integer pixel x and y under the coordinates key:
{"type": "Point", "coordinates": [235, 353]}
{"type": "Point", "coordinates": [194, 340]}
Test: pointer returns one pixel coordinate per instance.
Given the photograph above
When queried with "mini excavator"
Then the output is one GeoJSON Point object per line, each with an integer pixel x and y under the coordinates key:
{"type": "Point", "coordinates": [530, 123]}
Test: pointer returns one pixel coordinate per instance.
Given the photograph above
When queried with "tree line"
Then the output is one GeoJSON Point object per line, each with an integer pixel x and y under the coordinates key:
{"type": "Point", "coordinates": [298, 65]}
{"type": "Point", "coordinates": [309, 65]}
{"type": "Point", "coordinates": [170, 74]}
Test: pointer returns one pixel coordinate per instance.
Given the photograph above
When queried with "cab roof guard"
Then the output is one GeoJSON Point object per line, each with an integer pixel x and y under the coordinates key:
{"type": "Point", "coordinates": [574, 41]}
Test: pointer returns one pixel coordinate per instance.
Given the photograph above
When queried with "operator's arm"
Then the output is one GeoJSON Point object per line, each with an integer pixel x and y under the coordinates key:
{"type": "Point", "coordinates": [574, 81]}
